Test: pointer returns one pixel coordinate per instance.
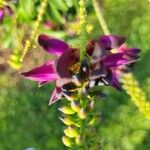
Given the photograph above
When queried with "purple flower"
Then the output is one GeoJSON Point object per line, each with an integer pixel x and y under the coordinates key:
{"type": "Point", "coordinates": [54, 70]}
{"type": "Point", "coordinates": [5, 10]}
{"type": "Point", "coordinates": [107, 57]}
{"type": "Point", "coordinates": [110, 58]}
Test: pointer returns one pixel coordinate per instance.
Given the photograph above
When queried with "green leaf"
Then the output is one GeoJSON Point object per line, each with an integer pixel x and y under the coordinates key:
{"type": "Point", "coordinates": [26, 10]}
{"type": "Point", "coordinates": [55, 14]}
{"type": "Point", "coordinates": [59, 4]}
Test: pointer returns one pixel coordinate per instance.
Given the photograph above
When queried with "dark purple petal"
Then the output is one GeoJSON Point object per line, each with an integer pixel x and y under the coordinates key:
{"type": "Point", "coordinates": [98, 72]}
{"type": "Point", "coordinates": [56, 95]}
{"type": "Point", "coordinates": [52, 45]}
{"type": "Point", "coordinates": [111, 41]}
{"type": "Point", "coordinates": [1, 14]}
{"type": "Point", "coordinates": [90, 47]}
{"type": "Point", "coordinates": [133, 52]}
{"type": "Point", "coordinates": [114, 60]}
{"type": "Point", "coordinates": [96, 51]}
{"type": "Point", "coordinates": [43, 73]}
{"type": "Point", "coordinates": [112, 80]}
{"type": "Point", "coordinates": [83, 72]}
{"type": "Point", "coordinates": [65, 61]}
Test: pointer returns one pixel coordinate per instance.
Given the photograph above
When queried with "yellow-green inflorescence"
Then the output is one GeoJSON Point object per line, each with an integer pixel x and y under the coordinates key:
{"type": "Point", "coordinates": [137, 94]}
{"type": "Point", "coordinates": [34, 32]}
{"type": "Point", "coordinates": [81, 119]}
{"type": "Point", "coordinates": [16, 60]}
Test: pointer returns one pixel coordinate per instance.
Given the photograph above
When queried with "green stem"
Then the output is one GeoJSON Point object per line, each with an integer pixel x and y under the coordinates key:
{"type": "Point", "coordinates": [100, 17]}
{"type": "Point", "coordinates": [83, 35]}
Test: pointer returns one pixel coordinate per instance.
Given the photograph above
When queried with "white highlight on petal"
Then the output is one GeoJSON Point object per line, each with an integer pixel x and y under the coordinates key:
{"type": "Point", "coordinates": [92, 83]}
{"type": "Point", "coordinates": [105, 81]}
{"type": "Point", "coordinates": [84, 69]}
{"type": "Point", "coordinates": [76, 81]}
{"type": "Point", "coordinates": [113, 42]}
{"type": "Point", "coordinates": [97, 53]}
{"type": "Point", "coordinates": [100, 83]}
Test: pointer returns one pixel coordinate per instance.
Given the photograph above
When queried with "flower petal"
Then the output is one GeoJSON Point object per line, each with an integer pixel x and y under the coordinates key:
{"type": "Point", "coordinates": [43, 73]}
{"type": "Point", "coordinates": [56, 95]}
{"type": "Point", "coordinates": [114, 60]}
{"type": "Point", "coordinates": [124, 49]}
{"type": "Point", "coordinates": [133, 52]}
{"type": "Point", "coordinates": [41, 83]}
{"type": "Point", "coordinates": [111, 41]}
{"type": "Point", "coordinates": [52, 45]}
{"type": "Point", "coordinates": [97, 72]}
{"type": "Point", "coordinates": [66, 60]}
{"type": "Point", "coordinates": [112, 80]}
{"type": "Point", "coordinates": [61, 81]}
{"type": "Point", "coordinates": [95, 50]}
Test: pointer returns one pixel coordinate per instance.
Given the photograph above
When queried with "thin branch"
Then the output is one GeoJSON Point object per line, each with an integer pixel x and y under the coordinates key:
{"type": "Point", "coordinates": [100, 17]}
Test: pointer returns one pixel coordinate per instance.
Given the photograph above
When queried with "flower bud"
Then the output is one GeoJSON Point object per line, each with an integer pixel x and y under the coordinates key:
{"type": "Point", "coordinates": [79, 140]}
{"type": "Point", "coordinates": [91, 105]}
{"type": "Point", "coordinates": [82, 113]}
{"type": "Point", "coordinates": [67, 141]}
{"type": "Point", "coordinates": [67, 133]}
{"type": "Point", "coordinates": [95, 121]}
{"type": "Point", "coordinates": [75, 106]}
{"type": "Point", "coordinates": [67, 110]}
{"type": "Point", "coordinates": [73, 131]}
{"type": "Point", "coordinates": [67, 121]}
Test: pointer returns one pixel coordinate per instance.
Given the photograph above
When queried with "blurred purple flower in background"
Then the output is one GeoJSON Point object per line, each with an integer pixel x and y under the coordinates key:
{"type": "Point", "coordinates": [5, 10]}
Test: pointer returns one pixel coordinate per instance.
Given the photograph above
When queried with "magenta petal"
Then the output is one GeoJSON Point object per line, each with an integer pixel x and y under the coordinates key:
{"type": "Point", "coordinates": [114, 60]}
{"type": "Point", "coordinates": [43, 73]}
{"type": "Point", "coordinates": [52, 45]}
{"type": "Point", "coordinates": [67, 59]}
{"type": "Point", "coordinates": [133, 52]}
{"type": "Point", "coordinates": [111, 41]}
{"type": "Point", "coordinates": [56, 95]}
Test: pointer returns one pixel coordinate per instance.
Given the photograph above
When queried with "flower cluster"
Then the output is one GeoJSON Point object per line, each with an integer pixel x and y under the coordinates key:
{"type": "Point", "coordinates": [106, 58]}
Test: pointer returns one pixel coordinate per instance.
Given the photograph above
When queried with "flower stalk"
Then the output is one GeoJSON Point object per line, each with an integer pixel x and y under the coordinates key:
{"type": "Point", "coordinates": [100, 17]}
{"type": "Point", "coordinates": [81, 125]}
{"type": "Point", "coordinates": [28, 42]}
{"type": "Point", "coordinates": [82, 28]}
{"type": "Point", "coordinates": [131, 85]}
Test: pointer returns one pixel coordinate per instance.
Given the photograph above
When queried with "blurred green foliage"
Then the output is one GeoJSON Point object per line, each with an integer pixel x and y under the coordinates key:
{"type": "Point", "coordinates": [26, 120]}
